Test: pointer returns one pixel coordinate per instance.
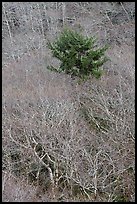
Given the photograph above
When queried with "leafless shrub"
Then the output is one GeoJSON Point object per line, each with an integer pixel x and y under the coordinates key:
{"type": "Point", "coordinates": [64, 141]}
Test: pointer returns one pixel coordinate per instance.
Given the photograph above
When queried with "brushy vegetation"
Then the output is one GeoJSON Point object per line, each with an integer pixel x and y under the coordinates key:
{"type": "Point", "coordinates": [78, 54]}
{"type": "Point", "coordinates": [63, 140]}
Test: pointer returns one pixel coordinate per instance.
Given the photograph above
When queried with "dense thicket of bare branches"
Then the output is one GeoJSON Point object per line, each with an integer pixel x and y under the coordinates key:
{"type": "Point", "coordinates": [64, 141]}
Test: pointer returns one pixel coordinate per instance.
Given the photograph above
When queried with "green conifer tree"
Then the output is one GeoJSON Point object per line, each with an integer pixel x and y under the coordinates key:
{"type": "Point", "coordinates": [79, 55]}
